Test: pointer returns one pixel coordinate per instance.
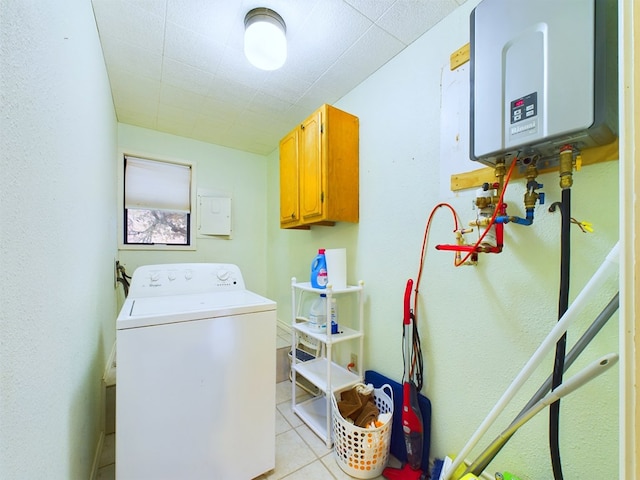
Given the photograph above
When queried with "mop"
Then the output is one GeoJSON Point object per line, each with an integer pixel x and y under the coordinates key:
{"type": "Point", "coordinates": [411, 416]}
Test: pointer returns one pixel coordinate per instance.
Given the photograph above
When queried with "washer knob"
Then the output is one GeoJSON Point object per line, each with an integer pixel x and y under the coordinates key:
{"type": "Point", "coordinates": [223, 274]}
{"type": "Point", "coordinates": [188, 274]}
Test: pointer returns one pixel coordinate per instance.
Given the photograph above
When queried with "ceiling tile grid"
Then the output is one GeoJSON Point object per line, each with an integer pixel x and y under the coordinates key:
{"type": "Point", "coordinates": [178, 66]}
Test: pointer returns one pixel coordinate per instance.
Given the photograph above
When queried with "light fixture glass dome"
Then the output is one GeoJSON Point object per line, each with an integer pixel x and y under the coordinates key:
{"type": "Point", "coordinates": [265, 41]}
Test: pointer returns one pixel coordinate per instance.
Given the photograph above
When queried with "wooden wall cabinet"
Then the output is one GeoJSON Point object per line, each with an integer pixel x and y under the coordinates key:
{"type": "Point", "coordinates": [319, 170]}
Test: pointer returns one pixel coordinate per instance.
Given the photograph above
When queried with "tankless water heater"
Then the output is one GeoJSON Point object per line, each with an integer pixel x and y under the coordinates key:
{"type": "Point", "coordinates": [543, 75]}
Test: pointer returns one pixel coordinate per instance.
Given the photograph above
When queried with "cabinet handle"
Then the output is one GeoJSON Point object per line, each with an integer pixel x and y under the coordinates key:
{"type": "Point", "coordinates": [293, 216]}
{"type": "Point", "coordinates": [302, 126]}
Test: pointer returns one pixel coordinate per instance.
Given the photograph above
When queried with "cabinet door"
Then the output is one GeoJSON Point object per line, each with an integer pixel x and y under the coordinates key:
{"type": "Point", "coordinates": [311, 178]}
{"type": "Point", "coordinates": [289, 211]}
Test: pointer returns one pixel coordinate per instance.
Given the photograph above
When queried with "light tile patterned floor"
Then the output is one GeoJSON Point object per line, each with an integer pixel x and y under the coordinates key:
{"type": "Point", "coordinates": [300, 453]}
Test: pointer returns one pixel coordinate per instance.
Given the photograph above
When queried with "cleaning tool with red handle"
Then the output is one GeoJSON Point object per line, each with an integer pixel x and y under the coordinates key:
{"type": "Point", "coordinates": [412, 426]}
{"type": "Point", "coordinates": [411, 416]}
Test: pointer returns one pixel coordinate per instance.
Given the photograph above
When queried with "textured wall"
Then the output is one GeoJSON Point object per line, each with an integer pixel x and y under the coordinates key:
{"type": "Point", "coordinates": [479, 325]}
{"type": "Point", "coordinates": [57, 237]}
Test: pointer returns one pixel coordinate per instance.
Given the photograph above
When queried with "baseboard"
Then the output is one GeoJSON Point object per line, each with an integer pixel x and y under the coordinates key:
{"type": "Point", "coordinates": [96, 458]}
{"type": "Point", "coordinates": [285, 326]}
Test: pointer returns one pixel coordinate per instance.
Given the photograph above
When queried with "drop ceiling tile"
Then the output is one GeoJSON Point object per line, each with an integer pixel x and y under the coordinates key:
{"type": "Point", "coordinates": [235, 68]}
{"type": "Point", "coordinates": [204, 123]}
{"type": "Point", "coordinates": [264, 122]}
{"type": "Point", "coordinates": [178, 97]}
{"type": "Point", "coordinates": [128, 22]}
{"type": "Point", "coordinates": [192, 48]}
{"type": "Point", "coordinates": [130, 90]}
{"type": "Point", "coordinates": [357, 64]}
{"type": "Point", "coordinates": [221, 112]}
{"type": "Point", "coordinates": [346, 23]}
{"type": "Point", "coordinates": [372, 9]}
{"type": "Point", "coordinates": [210, 18]}
{"type": "Point", "coordinates": [284, 86]}
{"type": "Point", "coordinates": [220, 138]}
{"type": "Point", "coordinates": [175, 117]}
{"type": "Point", "coordinates": [297, 113]}
{"type": "Point", "coordinates": [151, 7]}
{"type": "Point", "coordinates": [186, 77]}
{"type": "Point", "coordinates": [408, 20]}
{"type": "Point", "coordinates": [321, 46]}
{"type": "Point", "coordinates": [268, 104]}
{"type": "Point", "coordinates": [230, 95]}
{"type": "Point", "coordinates": [314, 97]}
{"type": "Point", "coordinates": [131, 58]}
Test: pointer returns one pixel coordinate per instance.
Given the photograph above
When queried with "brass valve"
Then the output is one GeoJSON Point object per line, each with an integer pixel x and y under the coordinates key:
{"type": "Point", "coordinates": [531, 196]}
{"type": "Point", "coordinates": [566, 168]}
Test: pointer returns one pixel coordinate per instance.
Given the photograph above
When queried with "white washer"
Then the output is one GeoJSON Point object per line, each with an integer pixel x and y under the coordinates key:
{"type": "Point", "coordinates": [195, 395]}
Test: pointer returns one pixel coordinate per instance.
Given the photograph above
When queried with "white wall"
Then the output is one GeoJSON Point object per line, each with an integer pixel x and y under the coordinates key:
{"type": "Point", "coordinates": [479, 325]}
{"type": "Point", "coordinates": [241, 174]}
{"type": "Point", "coordinates": [57, 238]}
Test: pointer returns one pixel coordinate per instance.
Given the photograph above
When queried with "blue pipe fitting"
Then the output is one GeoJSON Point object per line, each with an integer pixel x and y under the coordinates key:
{"type": "Point", "coordinates": [528, 220]}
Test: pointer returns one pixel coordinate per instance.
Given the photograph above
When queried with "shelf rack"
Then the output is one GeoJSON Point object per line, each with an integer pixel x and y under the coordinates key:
{"type": "Point", "coordinates": [322, 371]}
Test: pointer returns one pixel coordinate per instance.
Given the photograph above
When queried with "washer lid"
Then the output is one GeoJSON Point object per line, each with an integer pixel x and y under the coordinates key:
{"type": "Point", "coordinates": [142, 312]}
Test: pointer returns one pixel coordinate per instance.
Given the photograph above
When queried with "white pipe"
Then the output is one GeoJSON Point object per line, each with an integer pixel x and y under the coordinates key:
{"type": "Point", "coordinates": [608, 267]}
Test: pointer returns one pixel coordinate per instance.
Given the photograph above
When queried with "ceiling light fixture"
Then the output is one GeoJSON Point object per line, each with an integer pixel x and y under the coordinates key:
{"type": "Point", "coordinates": [265, 41]}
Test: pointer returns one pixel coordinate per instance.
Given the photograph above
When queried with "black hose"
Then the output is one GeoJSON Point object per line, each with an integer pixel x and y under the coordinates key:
{"type": "Point", "coordinates": [561, 346]}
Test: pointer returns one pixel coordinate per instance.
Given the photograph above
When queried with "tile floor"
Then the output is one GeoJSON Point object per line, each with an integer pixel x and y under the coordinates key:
{"type": "Point", "coordinates": [300, 453]}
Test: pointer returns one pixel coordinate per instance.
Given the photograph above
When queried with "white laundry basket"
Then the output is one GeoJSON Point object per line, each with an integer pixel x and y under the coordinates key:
{"type": "Point", "coordinates": [363, 452]}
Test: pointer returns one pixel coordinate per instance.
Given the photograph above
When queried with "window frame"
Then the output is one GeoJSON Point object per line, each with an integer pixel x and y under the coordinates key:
{"type": "Point", "coordinates": [122, 214]}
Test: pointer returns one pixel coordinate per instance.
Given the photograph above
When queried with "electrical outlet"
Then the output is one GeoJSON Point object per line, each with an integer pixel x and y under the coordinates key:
{"type": "Point", "coordinates": [354, 361]}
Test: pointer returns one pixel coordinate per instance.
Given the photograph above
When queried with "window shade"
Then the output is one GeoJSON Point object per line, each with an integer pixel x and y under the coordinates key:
{"type": "Point", "coordinates": [154, 185]}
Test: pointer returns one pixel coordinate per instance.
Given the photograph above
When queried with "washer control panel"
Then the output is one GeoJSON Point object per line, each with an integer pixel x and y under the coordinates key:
{"type": "Point", "coordinates": [185, 278]}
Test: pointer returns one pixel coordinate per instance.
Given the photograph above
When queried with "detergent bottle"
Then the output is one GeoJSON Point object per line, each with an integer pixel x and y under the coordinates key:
{"type": "Point", "coordinates": [319, 270]}
{"type": "Point", "coordinates": [318, 313]}
{"type": "Point", "coordinates": [334, 315]}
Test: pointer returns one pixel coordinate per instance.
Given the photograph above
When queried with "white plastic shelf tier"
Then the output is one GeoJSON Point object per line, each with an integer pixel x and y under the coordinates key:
{"type": "Point", "coordinates": [316, 372]}
{"type": "Point", "coordinates": [344, 333]}
{"type": "Point", "coordinates": [314, 414]}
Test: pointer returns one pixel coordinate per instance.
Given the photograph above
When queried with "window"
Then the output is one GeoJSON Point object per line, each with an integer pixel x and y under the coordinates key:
{"type": "Point", "coordinates": [157, 202]}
